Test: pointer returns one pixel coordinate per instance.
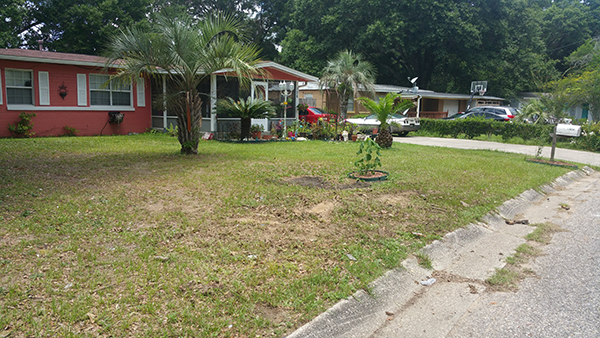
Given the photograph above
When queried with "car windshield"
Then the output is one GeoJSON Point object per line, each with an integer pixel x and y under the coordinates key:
{"type": "Point", "coordinates": [398, 116]}
{"type": "Point", "coordinates": [317, 111]}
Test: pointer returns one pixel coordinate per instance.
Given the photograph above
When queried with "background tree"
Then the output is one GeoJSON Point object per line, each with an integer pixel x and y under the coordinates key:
{"type": "Point", "coordinates": [581, 85]}
{"type": "Point", "coordinates": [188, 52]}
{"type": "Point", "coordinates": [81, 26]}
{"type": "Point", "coordinates": [348, 74]}
{"type": "Point", "coordinates": [13, 22]}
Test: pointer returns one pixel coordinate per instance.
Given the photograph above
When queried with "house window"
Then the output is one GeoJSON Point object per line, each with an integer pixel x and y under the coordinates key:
{"type": "Point", "coordinates": [105, 93]}
{"type": "Point", "coordinates": [19, 86]}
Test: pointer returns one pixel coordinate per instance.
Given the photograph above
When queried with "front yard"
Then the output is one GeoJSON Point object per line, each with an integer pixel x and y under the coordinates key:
{"type": "Point", "coordinates": [122, 236]}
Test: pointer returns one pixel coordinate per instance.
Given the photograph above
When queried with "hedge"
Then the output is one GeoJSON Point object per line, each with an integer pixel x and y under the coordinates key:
{"type": "Point", "coordinates": [474, 127]}
{"type": "Point", "coordinates": [471, 128]}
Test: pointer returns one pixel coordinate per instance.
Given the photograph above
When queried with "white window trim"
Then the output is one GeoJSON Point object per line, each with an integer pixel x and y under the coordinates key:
{"type": "Point", "coordinates": [1, 102]}
{"type": "Point", "coordinates": [32, 86]}
{"type": "Point", "coordinates": [111, 106]}
{"type": "Point", "coordinates": [44, 88]}
{"type": "Point", "coordinates": [67, 108]}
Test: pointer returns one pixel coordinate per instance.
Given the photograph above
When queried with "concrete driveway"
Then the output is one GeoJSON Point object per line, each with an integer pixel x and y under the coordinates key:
{"type": "Point", "coordinates": [561, 154]}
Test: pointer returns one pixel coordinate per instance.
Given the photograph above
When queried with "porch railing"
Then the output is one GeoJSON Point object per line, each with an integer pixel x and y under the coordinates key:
{"type": "Point", "coordinates": [429, 114]}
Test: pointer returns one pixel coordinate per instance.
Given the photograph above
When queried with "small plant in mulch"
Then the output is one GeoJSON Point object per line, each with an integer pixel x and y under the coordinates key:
{"type": "Point", "coordinates": [369, 152]}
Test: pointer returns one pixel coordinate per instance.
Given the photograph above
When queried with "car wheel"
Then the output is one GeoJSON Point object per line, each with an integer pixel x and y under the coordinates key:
{"type": "Point", "coordinates": [402, 133]}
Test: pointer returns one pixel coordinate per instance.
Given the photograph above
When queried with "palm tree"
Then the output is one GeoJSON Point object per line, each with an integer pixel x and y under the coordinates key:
{"type": "Point", "coordinates": [186, 52]}
{"type": "Point", "coordinates": [348, 74]}
{"type": "Point", "coordinates": [383, 109]}
{"type": "Point", "coordinates": [246, 110]}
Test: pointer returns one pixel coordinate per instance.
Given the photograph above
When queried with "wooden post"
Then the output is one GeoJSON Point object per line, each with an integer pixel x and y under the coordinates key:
{"type": "Point", "coordinates": [553, 143]}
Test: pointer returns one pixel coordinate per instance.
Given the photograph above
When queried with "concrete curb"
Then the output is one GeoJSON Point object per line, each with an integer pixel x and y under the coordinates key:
{"type": "Point", "coordinates": [362, 314]}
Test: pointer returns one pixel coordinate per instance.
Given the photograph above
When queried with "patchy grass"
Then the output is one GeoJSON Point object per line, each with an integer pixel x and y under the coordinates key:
{"type": "Point", "coordinates": [517, 265]}
{"type": "Point", "coordinates": [123, 236]}
{"type": "Point", "coordinates": [543, 232]}
{"type": "Point", "coordinates": [424, 260]}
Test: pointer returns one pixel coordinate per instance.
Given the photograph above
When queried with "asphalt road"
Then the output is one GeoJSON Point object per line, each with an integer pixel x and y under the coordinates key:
{"type": "Point", "coordinates": [563, 300]}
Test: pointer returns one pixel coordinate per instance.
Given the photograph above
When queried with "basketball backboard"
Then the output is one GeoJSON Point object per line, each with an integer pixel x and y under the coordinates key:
{"type": "Point", "coordinates": [479, 87]}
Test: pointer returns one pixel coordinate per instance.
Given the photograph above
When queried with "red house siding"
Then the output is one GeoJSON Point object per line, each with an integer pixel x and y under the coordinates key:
{"type": "Point", "coordinates": [51, 119]}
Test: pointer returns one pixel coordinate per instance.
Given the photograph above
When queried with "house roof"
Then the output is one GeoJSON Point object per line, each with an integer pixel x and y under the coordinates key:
{"type": "Point", "coordinates": [273, 70]}
{"type": "Point", "coordinates": [30, 55]}
{"type": "Point", "coordinates": [408, 92]}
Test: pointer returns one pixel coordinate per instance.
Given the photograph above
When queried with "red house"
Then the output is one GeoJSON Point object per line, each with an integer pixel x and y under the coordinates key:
{"type": "Point", "coordinates": [68, 90]}
{"type": "Point", "coordinates": [65, 89]}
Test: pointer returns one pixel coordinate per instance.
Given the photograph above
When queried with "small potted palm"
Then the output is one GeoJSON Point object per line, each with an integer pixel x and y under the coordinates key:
{"type": "Point", "coordinates": [383, 109]}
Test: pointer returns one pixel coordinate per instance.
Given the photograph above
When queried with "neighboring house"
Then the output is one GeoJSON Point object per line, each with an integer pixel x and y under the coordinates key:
{"type": "Point", "coordinates": [69, 90]}
{"type": "Point", "coordinates": [428, 104]}
{"type": "Point", "coordinates": [577, 112]}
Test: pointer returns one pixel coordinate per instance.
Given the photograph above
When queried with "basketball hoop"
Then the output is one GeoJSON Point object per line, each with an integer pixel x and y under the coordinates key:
{"type": "Point", "coordinates": [479, 87]}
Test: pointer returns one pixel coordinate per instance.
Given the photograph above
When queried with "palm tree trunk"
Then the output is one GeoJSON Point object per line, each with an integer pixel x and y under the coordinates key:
{"type": "Point", "coordinates": [245, 128]}
{"type": "Point", "coordinates": [189, 113]}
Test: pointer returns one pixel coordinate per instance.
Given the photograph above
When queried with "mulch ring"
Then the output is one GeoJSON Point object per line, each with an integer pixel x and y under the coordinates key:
{"type": "Point", "coordinates": [554, 163]}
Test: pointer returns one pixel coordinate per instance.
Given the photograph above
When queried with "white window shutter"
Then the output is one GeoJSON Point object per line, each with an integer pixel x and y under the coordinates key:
{"type": "Point", "coordinates": [141, 92]}
{"type": "Point", "coordinates": [1, 87]}
{"type": "Point", "coordinates": [44, 83]}
{"type": "Point", "coordinates": [81, 90]}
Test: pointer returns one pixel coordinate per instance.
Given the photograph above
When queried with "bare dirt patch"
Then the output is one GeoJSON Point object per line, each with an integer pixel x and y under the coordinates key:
{"type": "Point", "coordinates": [319, 182]}
{"type": "Point", "coordinates": [402, 200]}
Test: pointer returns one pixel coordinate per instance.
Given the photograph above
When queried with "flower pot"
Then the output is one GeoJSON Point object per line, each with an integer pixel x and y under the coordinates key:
{"type": "Point", "coordinates": [375, 175]}
{"type": "Point", "coordinates": [354, 137]}
{"type": "Point", "coordinates": [256, 135]}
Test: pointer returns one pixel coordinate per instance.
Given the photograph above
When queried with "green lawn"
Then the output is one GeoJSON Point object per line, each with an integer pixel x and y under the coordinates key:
{"type": "Point", "coordinates": [122, 236]}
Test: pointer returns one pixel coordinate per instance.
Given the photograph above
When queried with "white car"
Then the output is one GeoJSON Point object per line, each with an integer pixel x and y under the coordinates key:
{"type": "Point", "coordinates": [399, 124]}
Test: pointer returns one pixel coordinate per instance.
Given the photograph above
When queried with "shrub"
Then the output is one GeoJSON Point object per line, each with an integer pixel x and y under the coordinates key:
{"type": "Point", "coordinates": [70, 131]}
{"type": "Point", "coordinates": [24, 126]}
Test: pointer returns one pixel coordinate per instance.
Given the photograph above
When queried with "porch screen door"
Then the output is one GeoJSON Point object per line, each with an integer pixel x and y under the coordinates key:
{"type": "Point", "coordinates": [260, 90]}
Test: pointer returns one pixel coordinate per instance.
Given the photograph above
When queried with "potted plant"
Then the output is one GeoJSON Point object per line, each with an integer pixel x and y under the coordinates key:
{"type": "Point", "coordinates": [256, 130]}
{"type": "Point", "coordinates": [370, 152]}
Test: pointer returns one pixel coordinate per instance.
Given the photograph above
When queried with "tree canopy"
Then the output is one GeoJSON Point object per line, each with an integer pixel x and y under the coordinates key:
{"type": "Point", "coordinates": [515, 45]}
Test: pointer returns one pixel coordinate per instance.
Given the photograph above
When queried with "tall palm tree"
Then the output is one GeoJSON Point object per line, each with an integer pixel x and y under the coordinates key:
{"type": "Point", "coordinates": [186, 52]}
{"type": "Point", "coordinates": [383, 109]}
{"type": "Point", "coordinates": [348, 74]}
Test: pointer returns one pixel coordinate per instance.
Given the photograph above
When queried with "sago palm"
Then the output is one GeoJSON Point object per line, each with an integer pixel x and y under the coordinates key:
{"type": "Point", "coordinates": [246, 110]}
{"type": "Point", "coordinates": [186, 52]}
{"type": "Point", "coordinates": [383, 109]}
